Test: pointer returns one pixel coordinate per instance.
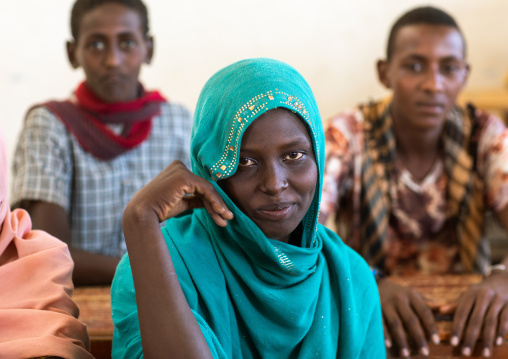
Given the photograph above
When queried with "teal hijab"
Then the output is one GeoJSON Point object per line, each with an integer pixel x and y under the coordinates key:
{"type": "Point", "coordinates": [252, 296]}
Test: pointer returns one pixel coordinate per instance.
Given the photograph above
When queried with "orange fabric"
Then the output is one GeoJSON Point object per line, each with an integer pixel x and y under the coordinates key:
{"type": "Point", "coordinates": [37, 315]}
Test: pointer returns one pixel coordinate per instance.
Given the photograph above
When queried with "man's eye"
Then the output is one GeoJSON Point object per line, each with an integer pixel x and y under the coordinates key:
{"type": "Point", "coordinates": [97, 45]}
{"type": "Point", "coordinates": [450, 68]}
{"type": "Point", "coordinates": [293, 156]}
{"type": "Point", "coordinates": [414, 67]}
{"type": "Point", "coordinates": [244, 161]}
{"type": "Point", "coordinates": [128, 44]}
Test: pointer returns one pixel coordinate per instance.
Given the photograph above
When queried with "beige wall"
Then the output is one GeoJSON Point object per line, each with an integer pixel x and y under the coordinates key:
{"type": "Point", "coordinates": [333, 43]}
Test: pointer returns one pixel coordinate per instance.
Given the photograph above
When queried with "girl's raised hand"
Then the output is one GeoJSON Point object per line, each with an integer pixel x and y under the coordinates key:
{"type": "Point", "coordinates": [175, 190]}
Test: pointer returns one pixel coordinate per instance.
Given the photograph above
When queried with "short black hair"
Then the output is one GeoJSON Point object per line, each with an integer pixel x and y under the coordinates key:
{"type": "Point", "coordinates": [81, 7]}
{"type": "Point", "coordinates": [427, 15]}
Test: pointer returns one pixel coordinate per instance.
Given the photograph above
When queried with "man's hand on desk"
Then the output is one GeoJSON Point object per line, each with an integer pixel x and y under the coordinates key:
{"type": "Point", "coordinates": [481, 313]}
{"type": "Point", "coordinates": [404, 308]}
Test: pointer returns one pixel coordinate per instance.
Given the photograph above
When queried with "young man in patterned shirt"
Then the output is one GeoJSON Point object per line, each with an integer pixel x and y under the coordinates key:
{"type": "Point", "coordinates": [409, 179]}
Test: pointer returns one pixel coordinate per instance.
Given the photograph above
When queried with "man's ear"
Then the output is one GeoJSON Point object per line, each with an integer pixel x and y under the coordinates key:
{"type": "Point", "coordinates": [382, 73]}
{"type": "Point", "coordinates": [71, 54]}
{"type": "Point", "coordinates": [466, 76]}
{"type": "Point", "coordinates": [149, 49]}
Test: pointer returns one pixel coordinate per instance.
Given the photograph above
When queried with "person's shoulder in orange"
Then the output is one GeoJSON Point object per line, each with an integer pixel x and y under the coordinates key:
{"type": "Point", "coordinates": [36, 311]}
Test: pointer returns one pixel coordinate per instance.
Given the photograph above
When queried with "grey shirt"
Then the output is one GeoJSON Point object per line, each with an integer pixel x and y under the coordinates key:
{"type": "Point", "coordinates": [51, 166]}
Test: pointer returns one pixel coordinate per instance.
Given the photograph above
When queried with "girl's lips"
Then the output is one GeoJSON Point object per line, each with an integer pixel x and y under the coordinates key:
{"type": "Point", "coordinates": [276, 212]}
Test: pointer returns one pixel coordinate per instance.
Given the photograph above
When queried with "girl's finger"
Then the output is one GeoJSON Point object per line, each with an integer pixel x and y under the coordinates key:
{"type": "Point", "coordinates": [217, 218]}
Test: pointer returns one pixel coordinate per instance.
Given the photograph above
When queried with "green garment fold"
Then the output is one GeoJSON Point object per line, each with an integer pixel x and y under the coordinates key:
{"type": "Point", "coordinates": [252, 296]}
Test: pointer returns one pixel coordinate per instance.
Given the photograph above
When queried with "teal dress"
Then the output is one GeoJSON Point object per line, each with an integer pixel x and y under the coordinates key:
{"type": "Point", "coordinates": [252, 296]}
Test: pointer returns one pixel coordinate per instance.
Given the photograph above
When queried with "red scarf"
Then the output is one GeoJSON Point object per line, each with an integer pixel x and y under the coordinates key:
{"type": "Point", "coordinates": [87, 120]}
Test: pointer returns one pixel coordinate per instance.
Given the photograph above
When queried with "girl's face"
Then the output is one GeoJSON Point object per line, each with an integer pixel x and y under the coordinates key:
{"type": "Point", "coordinates": [277, 173]}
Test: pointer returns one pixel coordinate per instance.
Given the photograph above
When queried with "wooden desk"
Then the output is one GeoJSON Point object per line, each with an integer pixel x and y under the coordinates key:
{"type": "Point", "coordinates": [95, 312]}
{"type": "Point", "coordinates": [445, 289]}
{"type": "Point", "coordinates": [94, 305]}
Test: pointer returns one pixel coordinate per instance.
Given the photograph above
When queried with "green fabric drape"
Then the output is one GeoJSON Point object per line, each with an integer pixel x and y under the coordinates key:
{"type": "Point", "coordinates": [252, 296]}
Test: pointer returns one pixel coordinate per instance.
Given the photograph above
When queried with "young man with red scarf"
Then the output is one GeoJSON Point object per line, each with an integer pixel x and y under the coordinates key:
{"type": "Point", "coordinates": [78, 162]}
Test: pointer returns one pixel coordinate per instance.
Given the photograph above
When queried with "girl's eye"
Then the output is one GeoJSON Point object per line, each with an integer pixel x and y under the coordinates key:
{"type": "Point", "coordinates": [293, 156]}
{"type": "Point", "coordinates": [244, 161]}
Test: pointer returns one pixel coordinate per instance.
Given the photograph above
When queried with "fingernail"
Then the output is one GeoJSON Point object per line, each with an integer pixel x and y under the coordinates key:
{"type": "Point", "coordinates": [466, 351]}
{"type": "Point", "coordinates": [499, 341]}
{"type": "Point", "coordinates": [425, 351]}
{"type": "Point", "coordinates": [454, 341]}
{"type": "Point", "coordinates": [404, 353]}
{"type": "Point", "coordinates": [388, 343]}
{"type": "Point", "coordinates": [435, 339]}
{"type": "Point", "coordinates": [486, 352]}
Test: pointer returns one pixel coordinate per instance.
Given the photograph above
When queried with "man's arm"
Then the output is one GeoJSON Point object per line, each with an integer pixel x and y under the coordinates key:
{"type": "Point", "coordinates": [503, 219]}
{"type": "Point", "coordinates": [89, 268]}
{"type": "Point", "coordinates": [482, 311]}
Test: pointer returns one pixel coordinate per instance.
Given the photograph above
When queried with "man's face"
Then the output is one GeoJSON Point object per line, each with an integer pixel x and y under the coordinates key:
{"type": "Point", "coordinates": [111, 48]}
{"type": "Point", "coordinates": [426, 73]}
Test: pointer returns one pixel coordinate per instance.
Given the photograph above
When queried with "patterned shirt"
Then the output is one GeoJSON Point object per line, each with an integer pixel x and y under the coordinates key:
{"type": "Point", "coordinates": [51, 166]}
{"type": "Point", "coordinates": [419, 238]}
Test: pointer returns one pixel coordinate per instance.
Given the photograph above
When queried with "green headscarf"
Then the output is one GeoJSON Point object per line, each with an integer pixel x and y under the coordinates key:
{"type": "Point", "coordinates": [253, 296]}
